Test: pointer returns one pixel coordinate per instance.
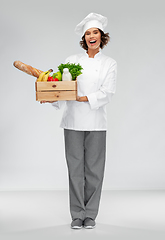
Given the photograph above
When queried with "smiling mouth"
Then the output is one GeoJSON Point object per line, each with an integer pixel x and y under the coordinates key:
{"type": "Point", "coordinates": [93, 42]}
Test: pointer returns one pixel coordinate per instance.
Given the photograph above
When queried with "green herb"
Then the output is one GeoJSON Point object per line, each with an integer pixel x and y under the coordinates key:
{"type": "Point", "coordinates": [74, 69]}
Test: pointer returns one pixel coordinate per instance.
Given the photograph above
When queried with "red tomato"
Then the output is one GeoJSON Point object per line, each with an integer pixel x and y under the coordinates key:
{"type": "Point", "coordinates": [55, 79]}
{"type": "Point", "coordinates": [50, 78]}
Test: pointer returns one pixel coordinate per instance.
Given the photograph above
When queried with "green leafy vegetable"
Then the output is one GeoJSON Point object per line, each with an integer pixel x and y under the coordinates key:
{"type": "Point", "coordinates": [74, 69]}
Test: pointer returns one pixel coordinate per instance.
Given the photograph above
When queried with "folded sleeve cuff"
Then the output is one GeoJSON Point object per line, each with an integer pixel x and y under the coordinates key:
{"type": "Point", "coordinates": [93, 101]}
{"type": "Point", "coordinates": [56, 105]}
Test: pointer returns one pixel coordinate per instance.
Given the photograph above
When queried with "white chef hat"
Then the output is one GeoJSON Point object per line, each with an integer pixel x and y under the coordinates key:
{"type": "Point", "coordinates": [92, 20]}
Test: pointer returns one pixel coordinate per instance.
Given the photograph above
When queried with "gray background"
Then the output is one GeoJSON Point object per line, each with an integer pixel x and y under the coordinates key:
{"type": "Point", "coordinates": [41, 33]}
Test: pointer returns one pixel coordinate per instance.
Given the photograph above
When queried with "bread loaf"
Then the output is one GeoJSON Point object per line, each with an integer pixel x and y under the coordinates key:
{"type": "Point", "coordinates": [27, 68]}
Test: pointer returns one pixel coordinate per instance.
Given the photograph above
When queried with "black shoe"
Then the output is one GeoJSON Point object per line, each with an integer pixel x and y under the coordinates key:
{"type": "Point", "coordinates": [76, 223]}
{"type": "Point", "coordinates": [89, 223]}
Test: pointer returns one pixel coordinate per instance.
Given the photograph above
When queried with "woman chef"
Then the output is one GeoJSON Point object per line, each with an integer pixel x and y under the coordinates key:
{"type": "Point", "coordinates": [85, 123]}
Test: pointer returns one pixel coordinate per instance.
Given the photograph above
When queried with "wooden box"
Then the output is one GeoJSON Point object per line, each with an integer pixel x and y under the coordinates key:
{"type": "Point", "coordinates": [56, 90]}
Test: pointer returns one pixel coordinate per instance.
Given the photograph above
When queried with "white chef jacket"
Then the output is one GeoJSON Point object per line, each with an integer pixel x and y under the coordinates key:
{"type": "Point", "coordinates": [98, 83]}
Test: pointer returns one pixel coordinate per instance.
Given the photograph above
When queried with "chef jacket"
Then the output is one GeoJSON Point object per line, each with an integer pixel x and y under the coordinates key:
{"type": "Point", "coordinates": [98, 83]}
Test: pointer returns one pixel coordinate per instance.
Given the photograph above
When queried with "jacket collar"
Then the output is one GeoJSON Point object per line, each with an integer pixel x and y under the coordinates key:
{"type": "Point", "coordinates": [96, 56]}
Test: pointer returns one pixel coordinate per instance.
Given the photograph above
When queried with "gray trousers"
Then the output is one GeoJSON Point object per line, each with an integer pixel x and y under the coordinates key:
{"type": "Point", "coordinates": [85, 156]}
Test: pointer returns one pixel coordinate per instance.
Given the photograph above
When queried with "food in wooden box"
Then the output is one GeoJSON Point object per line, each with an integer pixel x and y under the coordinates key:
{"type": "Point", "coordinates": [47, 88]}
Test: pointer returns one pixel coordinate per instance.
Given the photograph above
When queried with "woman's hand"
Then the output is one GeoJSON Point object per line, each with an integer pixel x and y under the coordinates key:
{"type": "Point", "coordinates": [47, 101]}
{"type": "Point", "coordinates": [82, 99]}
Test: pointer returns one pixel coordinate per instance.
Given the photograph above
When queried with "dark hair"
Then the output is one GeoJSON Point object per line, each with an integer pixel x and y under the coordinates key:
{"type": "Point", "coordinates": [105, 38]}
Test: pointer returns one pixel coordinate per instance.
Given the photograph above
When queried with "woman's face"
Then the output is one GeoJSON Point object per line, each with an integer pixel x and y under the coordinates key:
{"type": "Point", "coordinates": [93, 38]}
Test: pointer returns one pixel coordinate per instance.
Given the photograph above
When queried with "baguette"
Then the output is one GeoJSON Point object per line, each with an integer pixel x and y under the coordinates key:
{"type": "Point", "coordinates": [27, 68]}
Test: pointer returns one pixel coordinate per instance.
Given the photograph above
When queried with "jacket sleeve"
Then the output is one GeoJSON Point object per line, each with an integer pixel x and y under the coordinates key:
{"type": "Point", "coordinates": [58, 105]}
{"type": "Point", "coordinates": [104, 94]}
